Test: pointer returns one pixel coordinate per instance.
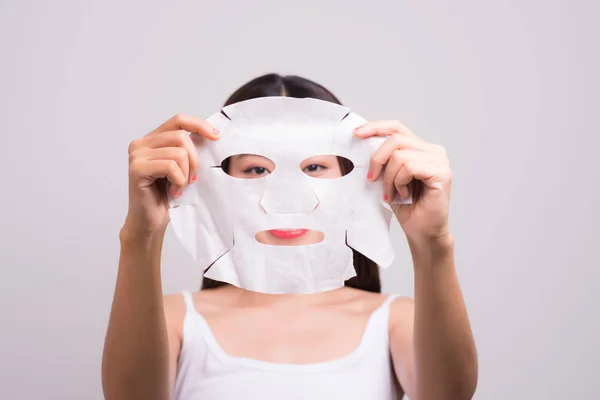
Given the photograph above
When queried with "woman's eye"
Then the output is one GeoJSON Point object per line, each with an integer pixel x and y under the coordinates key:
{"type": "Point", "coordinates": [256, 171]}
{"type": "Point", "coordinates": [314, 168]}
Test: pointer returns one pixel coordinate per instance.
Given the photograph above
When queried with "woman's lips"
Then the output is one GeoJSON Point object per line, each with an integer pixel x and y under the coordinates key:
{"type": "Point", "coordinates": [287, 233]}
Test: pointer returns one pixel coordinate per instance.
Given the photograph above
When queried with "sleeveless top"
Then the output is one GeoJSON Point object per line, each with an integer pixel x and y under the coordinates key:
{"type": "Point", "coordinates": [206, 372]}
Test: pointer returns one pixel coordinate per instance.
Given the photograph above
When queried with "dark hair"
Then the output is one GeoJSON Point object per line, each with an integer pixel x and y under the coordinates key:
{"type": "Point", "coordinates": [367, 272]}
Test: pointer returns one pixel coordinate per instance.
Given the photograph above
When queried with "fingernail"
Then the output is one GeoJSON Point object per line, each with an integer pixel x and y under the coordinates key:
{"type": "Point", "coordinates": [194, 177]}
{"type": "Point", "coordinates": [216, 132]}
{"type": "Point", "coordinates": [385, 197]}
{"type": "Point", "coordinates": [360, 129]}
{"type": "Point", "coordinates": [369, 175]}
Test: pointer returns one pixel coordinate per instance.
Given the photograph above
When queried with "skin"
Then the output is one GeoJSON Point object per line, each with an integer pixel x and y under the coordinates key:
{"type": "Point", "coordinates": [431, 342]}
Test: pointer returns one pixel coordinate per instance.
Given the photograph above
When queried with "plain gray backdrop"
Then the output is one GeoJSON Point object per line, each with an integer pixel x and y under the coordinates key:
{"type": "Point", "coordinates": [510, 88]}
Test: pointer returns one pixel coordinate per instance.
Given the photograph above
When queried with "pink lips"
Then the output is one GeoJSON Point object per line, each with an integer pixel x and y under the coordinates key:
{"type": "Point", "coordinates": [287, 233]}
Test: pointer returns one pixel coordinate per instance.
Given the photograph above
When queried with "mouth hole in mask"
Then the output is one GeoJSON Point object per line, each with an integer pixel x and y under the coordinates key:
{"type": "Point", "coordinates": [247, 166]}
{"type": "Point", "coordinates": [289, 237]}
{"type": "Point", "coordinates": [327, 166]}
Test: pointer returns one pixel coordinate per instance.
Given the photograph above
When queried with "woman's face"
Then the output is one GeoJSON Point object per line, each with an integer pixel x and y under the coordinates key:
{"type": "Point", "coordinates": [250, 166]}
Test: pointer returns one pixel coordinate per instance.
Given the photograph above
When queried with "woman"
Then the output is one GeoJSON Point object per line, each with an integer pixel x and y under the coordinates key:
{"type": "Point", "coordinates": [226, 342]}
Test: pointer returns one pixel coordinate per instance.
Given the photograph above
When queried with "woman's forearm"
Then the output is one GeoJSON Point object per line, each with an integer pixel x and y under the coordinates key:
{"type": "Point", "coordinates": [444, 349]}
{"type": "Point", "coordinates": [135, 360]}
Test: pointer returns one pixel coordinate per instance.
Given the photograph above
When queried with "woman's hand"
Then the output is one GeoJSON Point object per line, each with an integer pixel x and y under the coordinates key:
{"type": "Point", "coordinates": [406, 161]}
{"type": "Point", "coordinates": [165, 159]}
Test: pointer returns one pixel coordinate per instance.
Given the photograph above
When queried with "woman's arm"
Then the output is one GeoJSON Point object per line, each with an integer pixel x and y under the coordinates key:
{"type": "Point", "coordinates": [135, 362]}
{"type": "Point", "coordinates": [142, 342]}
{"type": "Point", "coordinates": [431, 342]}
{"type": "Point", "coordinates": [445, 354]}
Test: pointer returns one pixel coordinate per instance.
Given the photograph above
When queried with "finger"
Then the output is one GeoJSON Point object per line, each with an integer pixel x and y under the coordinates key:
{"type": "Point", "coordinates": [383, 128]}
{"type": "Point", "coordinates": [189, 124]}
{"type": "Point", "coordinates": [391, 170]}
{"type": "Point", "coordinates": [150, 171]}
{"type": "Point", "coordinates": [432, 174]}
{"type": "Point", "coordinates": [395, 142]}
{"type": "Point", "coordinates": [395, 164]}
{"type": "Point", "coordinates": [403, 191]}
{"type": "Point", "coordinates": [402, 180]}
{"type": "Point", "coordinates": [417, 174]}
{"type": "Point", "coordinates": [171, 139]}
{"type": "Point", "coordinates": [177, 154]}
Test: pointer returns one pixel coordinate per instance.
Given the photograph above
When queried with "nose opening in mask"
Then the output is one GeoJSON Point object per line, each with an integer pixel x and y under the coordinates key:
{"type": "Point", "coordinates": [289, 199]}
{"type": "Point", "coordinates": [289, 237]}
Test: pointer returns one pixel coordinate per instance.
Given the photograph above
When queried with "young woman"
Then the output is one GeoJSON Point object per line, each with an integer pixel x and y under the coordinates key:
{"type": "Point", "coordinates": [224, 342]}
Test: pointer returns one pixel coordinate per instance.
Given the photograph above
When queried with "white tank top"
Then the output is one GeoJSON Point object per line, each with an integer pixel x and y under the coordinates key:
{"type": "Point", "coordinates": [205, 371]}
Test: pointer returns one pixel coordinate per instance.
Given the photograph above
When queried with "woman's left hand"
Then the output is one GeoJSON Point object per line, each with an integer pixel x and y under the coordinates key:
{"type": "Point", "coordinates": [406, 161]}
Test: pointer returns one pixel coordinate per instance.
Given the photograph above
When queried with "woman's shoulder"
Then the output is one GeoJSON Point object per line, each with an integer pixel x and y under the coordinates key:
{"type": "Point", "coordinates": [365, 296]}
{"type": "Point", "coordinates": [174, 303]}
{"type": "Point", "coordinates": [400, 307]}
{"type": "Point", "coordinates": [176, 307]}
{"type": "Point", "coordinates": [212, 301]}
{"type": "Point", "coordinates": [174, 311]}
{"type": "Point", "coordinates": [401, 311]}
{"type": "Point", "coordinates": [364, 302]}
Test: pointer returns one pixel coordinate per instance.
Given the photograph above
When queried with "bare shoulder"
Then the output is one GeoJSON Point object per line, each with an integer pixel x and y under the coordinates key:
{"type": "Point", "coordinates": [174, 308]}
{"type": "Point", "coordinates": [363, 301]}
{"type": "Point", "coordinates": [174, 304]}
{"type": "Point", "coordinates": [402, 312]}
{"type": "Point", "coordinates": [216, 301]}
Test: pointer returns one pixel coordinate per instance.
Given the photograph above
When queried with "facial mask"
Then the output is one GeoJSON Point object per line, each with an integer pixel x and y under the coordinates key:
{"type": "Point", "coordinates": [217, 218]}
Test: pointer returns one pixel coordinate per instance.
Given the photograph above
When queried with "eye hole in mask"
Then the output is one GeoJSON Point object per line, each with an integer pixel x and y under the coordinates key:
{"type": "Point", "coordinates": [247, 166]}
{"type": "Point", "coordinates": [289, 237]}
{"type": "Point", "coordinates": [326, 166]}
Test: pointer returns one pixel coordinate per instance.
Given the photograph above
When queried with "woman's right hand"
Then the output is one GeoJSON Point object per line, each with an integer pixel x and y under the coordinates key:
{"type": "Point", "coordinates": [163, 160]}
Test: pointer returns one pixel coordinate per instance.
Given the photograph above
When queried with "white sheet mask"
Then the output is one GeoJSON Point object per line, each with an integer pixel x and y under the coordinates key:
{"type": "Point", "coordinates": [217, 218]}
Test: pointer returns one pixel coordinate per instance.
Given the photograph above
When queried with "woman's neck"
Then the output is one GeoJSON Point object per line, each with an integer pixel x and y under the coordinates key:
{"type": "Point", "coordinates": [256, 299]}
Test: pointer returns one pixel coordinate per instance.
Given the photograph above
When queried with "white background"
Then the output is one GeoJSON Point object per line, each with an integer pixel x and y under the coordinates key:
{"type": "Point", "coordinates": [510, 88]}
